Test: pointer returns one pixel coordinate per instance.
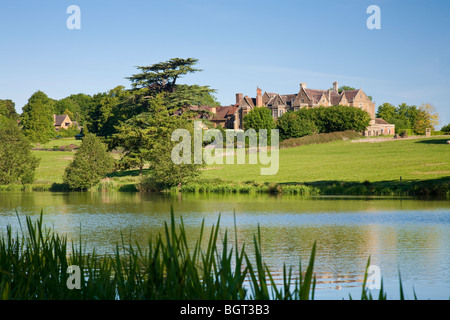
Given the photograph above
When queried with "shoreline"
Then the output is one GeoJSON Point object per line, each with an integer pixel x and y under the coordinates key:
{"type": "Point", "coordinates": [434, 188]}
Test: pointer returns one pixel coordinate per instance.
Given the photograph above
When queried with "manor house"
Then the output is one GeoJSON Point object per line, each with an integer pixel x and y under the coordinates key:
{"type": "Point", "coordinates": [231, 117]}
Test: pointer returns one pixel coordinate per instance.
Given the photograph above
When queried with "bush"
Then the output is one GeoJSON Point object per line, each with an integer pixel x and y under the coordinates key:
{"type": "Point", "coordinates": [320, 138]}
{"type": "Point", "coordinates": [90, 164]}
{"type": "Point", "coordinates": [291, 125]}
{"type": "Point", "coordinates": [324, 120]}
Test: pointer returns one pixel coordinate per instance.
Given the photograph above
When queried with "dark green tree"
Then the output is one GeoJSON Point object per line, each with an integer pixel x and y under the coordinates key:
{"type": "Point", "coordinates": [162, 77]}
{"type": "Point", "coordinates": [70, 107]}
{"type": "Point", "coordinates": [446, 128]}
{"type": "Point", "coordinates": [336, 118]}
{"type": "Point", "coordinates": [17, 163]}
{"type": "Point", "coordinates": [387, 111]}
{"type": "Point", "coordinates": [259, 118]}
{"type": "Point", "coordinates": [291, 125]}
{"type": "Point", "coordinates": [91, 163]}
{"type": "Point", "coordinates": [37, 118]}
{"type": "Point", "coordinates": [145, 140]}
{"type": "Point", "coordinates": [7, 109]}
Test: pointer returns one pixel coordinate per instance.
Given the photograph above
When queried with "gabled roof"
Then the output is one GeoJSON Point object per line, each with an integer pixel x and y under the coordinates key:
{"type": "Point", "coordinates": [223, 112]}
{"type": "Point", "coordinates": [59, 119]}
{"type": "Point", "coordinates": [380, 121]}
{"type": "Point", "coordinates": [351, 94]}
{"type": "Point", "coordinates": [248, 101]}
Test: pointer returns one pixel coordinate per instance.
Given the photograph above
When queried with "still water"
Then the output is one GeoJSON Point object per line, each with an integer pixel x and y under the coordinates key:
{"type": "Point", "coordinates": [406, 235]}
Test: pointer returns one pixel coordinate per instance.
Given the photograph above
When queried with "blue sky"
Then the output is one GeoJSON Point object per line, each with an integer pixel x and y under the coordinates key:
{"type": "Point", "coordinates": [240, 45]}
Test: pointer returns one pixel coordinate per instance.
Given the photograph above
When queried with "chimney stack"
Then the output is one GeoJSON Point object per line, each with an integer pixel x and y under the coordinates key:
{"type": "Point", "coordinates": [259, 101]}
{"type": "Point", "coordinates": [239, 97]}
{"type": "Point", "coordinates": [302, 85]}
{"type": "Point", "coordinates": [335, 87]}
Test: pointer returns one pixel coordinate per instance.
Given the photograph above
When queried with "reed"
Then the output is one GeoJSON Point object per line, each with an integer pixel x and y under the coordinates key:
{"type": "Point", "coordinates": [34, 262]}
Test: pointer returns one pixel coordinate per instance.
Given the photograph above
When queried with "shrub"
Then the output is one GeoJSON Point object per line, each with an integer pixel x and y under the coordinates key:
{"type": "Point", "coordinates": [291, 125]}
{"type": "Point", "coordinates": [320, 138]}
{"type": "Point", "coordinates": [90, 164]}
{"type": "Point", "coordinates": [328, 119]}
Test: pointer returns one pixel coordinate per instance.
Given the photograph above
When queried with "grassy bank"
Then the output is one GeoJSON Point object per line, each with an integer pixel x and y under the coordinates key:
{"type": "Point", "coordinates": [408, 167]}
{"type": "Point", "coordinates": [436, 188]}
{"type": "Point", "coordinates": [34, 263]}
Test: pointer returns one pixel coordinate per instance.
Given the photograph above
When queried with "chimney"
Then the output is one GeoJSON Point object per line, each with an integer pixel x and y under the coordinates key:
{"type": "Point", "coordinates": [239, 97]}
{"type": "Point", "coordinates": [259, 101]}
{"type": "Point", "coordinates": [302, 85]}
{"type": "Point", "coordinates": [213, 110]}
{"type": "Point", "coordinates": [335, 87]}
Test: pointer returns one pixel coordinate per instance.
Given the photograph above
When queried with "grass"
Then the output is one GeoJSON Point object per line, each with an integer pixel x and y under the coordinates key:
{"type": "Point", "coordinates": [417, 166]}
{"type": "Point", "coordinates": [34, 264]}
{"type": "Point", "coordinates": [413, 159]}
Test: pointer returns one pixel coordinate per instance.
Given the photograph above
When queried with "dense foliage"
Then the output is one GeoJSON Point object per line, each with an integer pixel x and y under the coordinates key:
{"type": "Point", "coordinates": [145, 139]}
{"type": "Point", "coordinates": [446, 128]}
{"type": "Point", "coordinates": [90, 164]}
{"type": "Point", "coordinates": [37, 118]}
{"type": "Point", "coordinates": [409, 117]}
{"type": "Point", "coordinates": [322, 120]}
{"type": "Point", "coordinates": [17, 163]}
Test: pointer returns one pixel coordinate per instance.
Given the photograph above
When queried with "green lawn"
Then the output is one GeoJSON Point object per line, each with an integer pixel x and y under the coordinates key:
{"type": "Point", "coordinates": [53, 163]}
{"type": "Point", "coordinates": [414, 159]}
{"type": "Point", "coordinates": [59, 142]}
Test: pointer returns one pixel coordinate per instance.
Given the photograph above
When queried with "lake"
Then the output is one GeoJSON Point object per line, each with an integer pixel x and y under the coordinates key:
{"type": "Point", "coordinates": [409, 235]}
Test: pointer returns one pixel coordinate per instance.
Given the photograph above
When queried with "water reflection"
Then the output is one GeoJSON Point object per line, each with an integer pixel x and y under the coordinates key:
{"type": "Point", "coordinates": [406, 234]}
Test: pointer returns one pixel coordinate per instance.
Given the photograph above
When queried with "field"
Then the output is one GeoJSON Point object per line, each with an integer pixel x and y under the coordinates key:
{"type": "Point", "coordinates": [410, 159]}
{"type": "Point", "coordinates": [387, 166]}
{"type": "Point", "coordinates": [53, 163]}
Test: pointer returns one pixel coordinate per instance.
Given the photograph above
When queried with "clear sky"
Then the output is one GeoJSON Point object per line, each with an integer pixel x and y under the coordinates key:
{"type": "Point", "coordinates": [240, 45]}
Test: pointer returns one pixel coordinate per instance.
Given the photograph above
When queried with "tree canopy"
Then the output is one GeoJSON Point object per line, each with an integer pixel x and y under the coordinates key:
{"type": "Point", "coordinates": [411, 117]}
{"type": "Point", "coordinates": [90, 164]}
{"type": "Point", "coordinates": [8, 110]}
{"type": "Point", "coordinates": [17, 163]}
{"type": "Point", "coordinates": [37, 118]}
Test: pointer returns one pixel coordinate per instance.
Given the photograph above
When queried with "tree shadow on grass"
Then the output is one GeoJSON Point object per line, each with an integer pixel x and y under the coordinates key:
{"type": "Point", "coordinates": [126, 173]}
{"type": "Point", "coordinates": [434, 141]}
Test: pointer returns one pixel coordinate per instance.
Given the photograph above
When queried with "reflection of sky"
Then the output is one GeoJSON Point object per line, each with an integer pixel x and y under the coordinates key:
{"type": "Point", "coordinates": [410, 235]}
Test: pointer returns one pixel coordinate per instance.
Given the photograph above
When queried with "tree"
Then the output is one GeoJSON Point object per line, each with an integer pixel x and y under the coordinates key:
{"type": "Point", "coordinates": [336, 118]}
{"type": "Point", "coordinates": [37, 118]}
{"type": "Point", "coordinates": [69, 107]}
{"type": "Point", "coordinates": [7, 109]}
{"type": "Point", "coordinates": [109, 109]}
{"type": "Point", "coordinates": [90, 164]}
{"type": "Point", "coordinates": [145, 139]}
{"type": "Point", "coordinates": [259, 118]}
{"type": "Point", "coordinates": [291, 125]}
{"type": "Point", "coordinates": [387, 111]}
{"type": "Point", "coordinates": [446, 128]}
{"type": "Point", "coordinates": [162, 77]}
{"type": "Point", "coordinates": [17, 163]}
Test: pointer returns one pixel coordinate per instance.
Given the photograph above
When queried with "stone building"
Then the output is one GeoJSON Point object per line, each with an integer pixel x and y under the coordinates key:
{"type": "Point", "coordinates": [232, 116]}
